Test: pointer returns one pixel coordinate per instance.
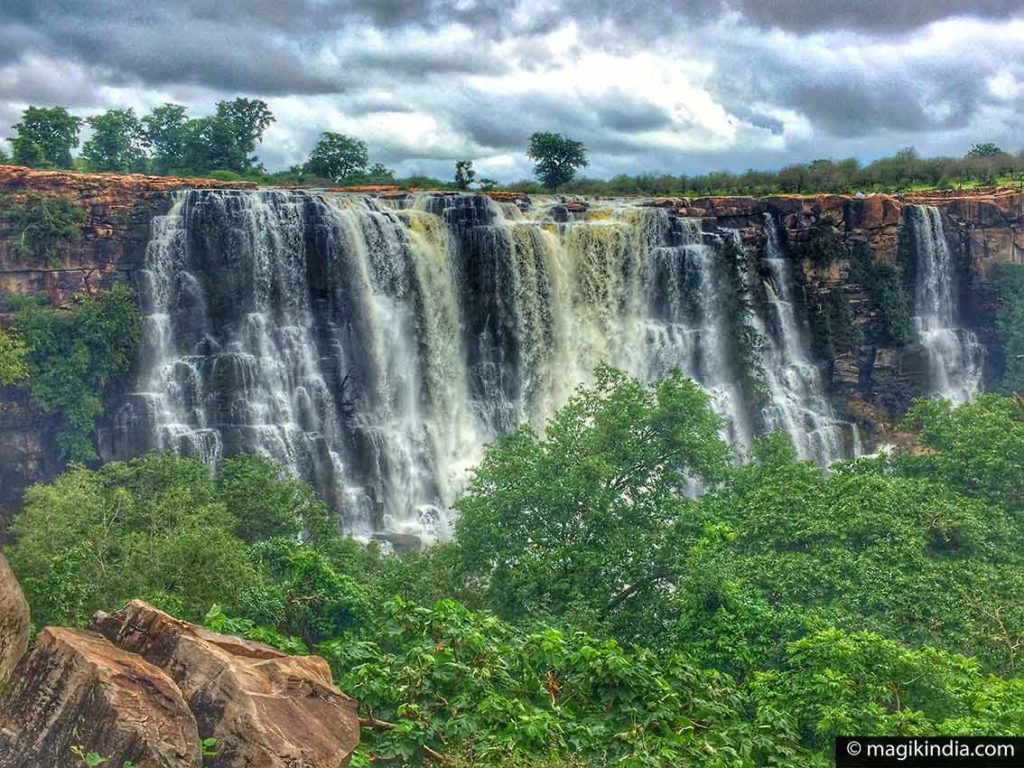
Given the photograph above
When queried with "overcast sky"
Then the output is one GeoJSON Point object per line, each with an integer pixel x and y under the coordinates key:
{"type": "Point", "coordinates": [665, 87]}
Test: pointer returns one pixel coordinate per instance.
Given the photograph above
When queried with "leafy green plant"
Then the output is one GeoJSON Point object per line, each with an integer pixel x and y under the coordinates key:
{"type": "Point", "coordinates": [446, 680]}
{"type": "Point", "coordinates": [823, 245]}
{"type": "Point", "coordinates": [73, 355]}
{"type": "Point", "coordinates": [887, 286]}
{"type": "Point", "coordinates": [13, 352]}
{"type": "Point", "coordinates": [88, 759]}
{"type": "Point", "coordinates": [40, 224]}
{"type": "Point", "coordinates": [208, 747]}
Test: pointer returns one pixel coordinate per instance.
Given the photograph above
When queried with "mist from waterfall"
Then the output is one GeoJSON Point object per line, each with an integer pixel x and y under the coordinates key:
{"type": "Point", "coordinates": [376, 346]}
{"type": "Point", "coordinates": [954, 354]}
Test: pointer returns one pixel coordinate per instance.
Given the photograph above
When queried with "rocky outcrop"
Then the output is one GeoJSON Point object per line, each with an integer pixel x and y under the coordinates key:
{"type": "Point", "coordinates": [76, 691]}
{"type": "Point", "coordinates": [265, 709]}
{"type": "Point", "coordinates": [14, 622]}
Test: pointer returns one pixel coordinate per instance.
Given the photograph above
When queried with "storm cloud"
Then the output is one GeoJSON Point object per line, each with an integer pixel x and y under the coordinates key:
{"type": "Point", "coordinates": [674, 87]}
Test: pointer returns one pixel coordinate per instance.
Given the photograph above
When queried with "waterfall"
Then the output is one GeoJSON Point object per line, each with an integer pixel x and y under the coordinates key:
{"type": "Point", "coordinates": [954, 354]}
{"type": "Point", "coordinates": [375, 346]}
{"type": "Point", "coordinates": [797, 401]}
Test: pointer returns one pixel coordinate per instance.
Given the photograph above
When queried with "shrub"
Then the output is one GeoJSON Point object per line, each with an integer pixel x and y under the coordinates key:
{"type": "Point", "coordinates": [73, 355]}
{"type": "Point", "coordinates": [41, 223]}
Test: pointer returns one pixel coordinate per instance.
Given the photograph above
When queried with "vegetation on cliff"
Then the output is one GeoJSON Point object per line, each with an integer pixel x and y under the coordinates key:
{"type": "Point", "coordinates": [40, 223]}
{"type": "Point", "coordinates": [1008, 280]}
{"type": "Point", "coordinates": [590, 611]}
{"type": "Point", "coordinates": [71, 354]}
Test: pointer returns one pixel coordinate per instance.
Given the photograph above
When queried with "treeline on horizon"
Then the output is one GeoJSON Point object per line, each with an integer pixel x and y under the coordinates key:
{"type": "Point", "coordinates": [167, 141]}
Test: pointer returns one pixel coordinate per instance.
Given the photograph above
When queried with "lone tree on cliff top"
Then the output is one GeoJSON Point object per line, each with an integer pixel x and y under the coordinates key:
{"type": "Point", "coordinates": [338, 157]}
{"type": "Point", "coordinates": [557, 158]}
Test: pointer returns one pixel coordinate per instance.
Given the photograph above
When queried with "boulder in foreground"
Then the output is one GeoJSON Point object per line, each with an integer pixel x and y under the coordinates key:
{"type": "Point", "coordinates": [265, 709]}
{"type": "Point", "coordinates": [14, 620]}
{"type": "Point", "coordinates": [75, 690]}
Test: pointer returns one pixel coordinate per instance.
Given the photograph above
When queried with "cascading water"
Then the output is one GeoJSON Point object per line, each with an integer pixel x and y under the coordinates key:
{"type": "Point", "coordinates": [954, 354]}
{"type": "Point", "coordinates": [797, 401]}
{"type": "Point", "coordinates": [375, 346]}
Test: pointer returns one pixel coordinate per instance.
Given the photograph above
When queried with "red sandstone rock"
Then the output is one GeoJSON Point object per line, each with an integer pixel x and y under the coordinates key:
{"type": "Point", "coordinates": [76, 690]}
{"type": "Point", "coordinates": [266, 709]}
{"type": "Point", "coordinates": [14, 621]}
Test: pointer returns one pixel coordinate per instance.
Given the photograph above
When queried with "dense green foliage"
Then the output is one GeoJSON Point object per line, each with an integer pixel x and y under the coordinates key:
{"type": "Point", "coordinates": [72, 353]}
{"type": "Point", "coordinates": [45, 137]}
{"type": "Point", "coordinates": [12, 358]}
{"type": "Point", "coordinates": [987, 149]}
{"type": "Point", "coordinates": [556, 157]}
{"type": "Point", "coordinates": [337, 157]}
{"type": "Point", "coordinates": [40, 223]}
{"type": "Point", "coordinates": [591, 612]}
{"type": "Point", "coordinates": [569, 523]}
{"type": "Point", "coordinates": [904, 171]}
{"type": "Point", "coordinates": [1008, 280]}
{"type": "Point", "coordinates": [118, 142]}
{"type": "Point", "coordinates": [887, 288]}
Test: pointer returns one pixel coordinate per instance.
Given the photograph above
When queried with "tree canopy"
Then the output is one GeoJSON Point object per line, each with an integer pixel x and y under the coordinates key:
{"type": "Point", "coordinates": [557, 158]}
{"type": "Point", "coordinates": [592, 608]}
{"type": "Point", "coordinates": [338, 157]}
{"type": "Point", "coordinates": [118, 142]}
{"type": "Point", "coordinates": [45, 137]}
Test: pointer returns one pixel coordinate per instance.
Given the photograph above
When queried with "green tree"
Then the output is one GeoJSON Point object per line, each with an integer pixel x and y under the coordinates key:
{"type": "Point", "coordinates": [557, 158]}
{"type": "Point", "coordinates": [464, 173]}
{"type": "Point", "coordinates": [976, 448]}
{"type": "Point", "coordinates": [266, 502]}
{"type": "Point", "coordinates": [73, 355]}
{"type": "Point", "coordinates": [45, 137]}
{"type": "Point", "coordinates": [316, 601]}
{"type": "Point", "coordinates": [337, 157]}
{"type": "Point", "coordinates": [118, 142]}
{"type": "Point", "coordinates": [987, 149]}
{"type": "Point", "coordinates": [575, 521]}
{"type": "Point", "coordinates": [249, 119]}
{"type": "Point", "coordinates": [861, 683]}
{"type": "Point", "coordinates": [211, 144]}
{"type": "Point", "coordinates": [152, 528]}
{"type": "Point", "coordinates": [164, 128]}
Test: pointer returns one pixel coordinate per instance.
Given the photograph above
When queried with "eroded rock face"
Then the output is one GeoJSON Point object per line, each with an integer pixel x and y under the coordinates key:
{"type": "Point", "coordinates": [266, 709]}
{"type": "Point", "coordinates": [76, 690]}
{"type": "Point", "coordinates": [14, 620]}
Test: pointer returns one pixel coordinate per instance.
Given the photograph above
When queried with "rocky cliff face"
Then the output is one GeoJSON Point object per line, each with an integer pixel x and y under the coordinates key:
{"type": "Point", "coordinates": [852, 256]}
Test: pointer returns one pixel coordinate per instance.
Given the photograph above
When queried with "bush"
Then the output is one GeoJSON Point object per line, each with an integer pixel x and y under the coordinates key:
{"type": "Point", "coordinates": [40, 224]}
{"type": "Point", "coordinates": [73, 355]}
{"type": "Point", "coordinates": [1008, 280]}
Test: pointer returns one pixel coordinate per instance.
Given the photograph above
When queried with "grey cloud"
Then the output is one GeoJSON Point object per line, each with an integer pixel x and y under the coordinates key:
{"type": "Point", "coordinates": [877, 16]}
{"type": "Point", "coordinates": [64, 51]}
